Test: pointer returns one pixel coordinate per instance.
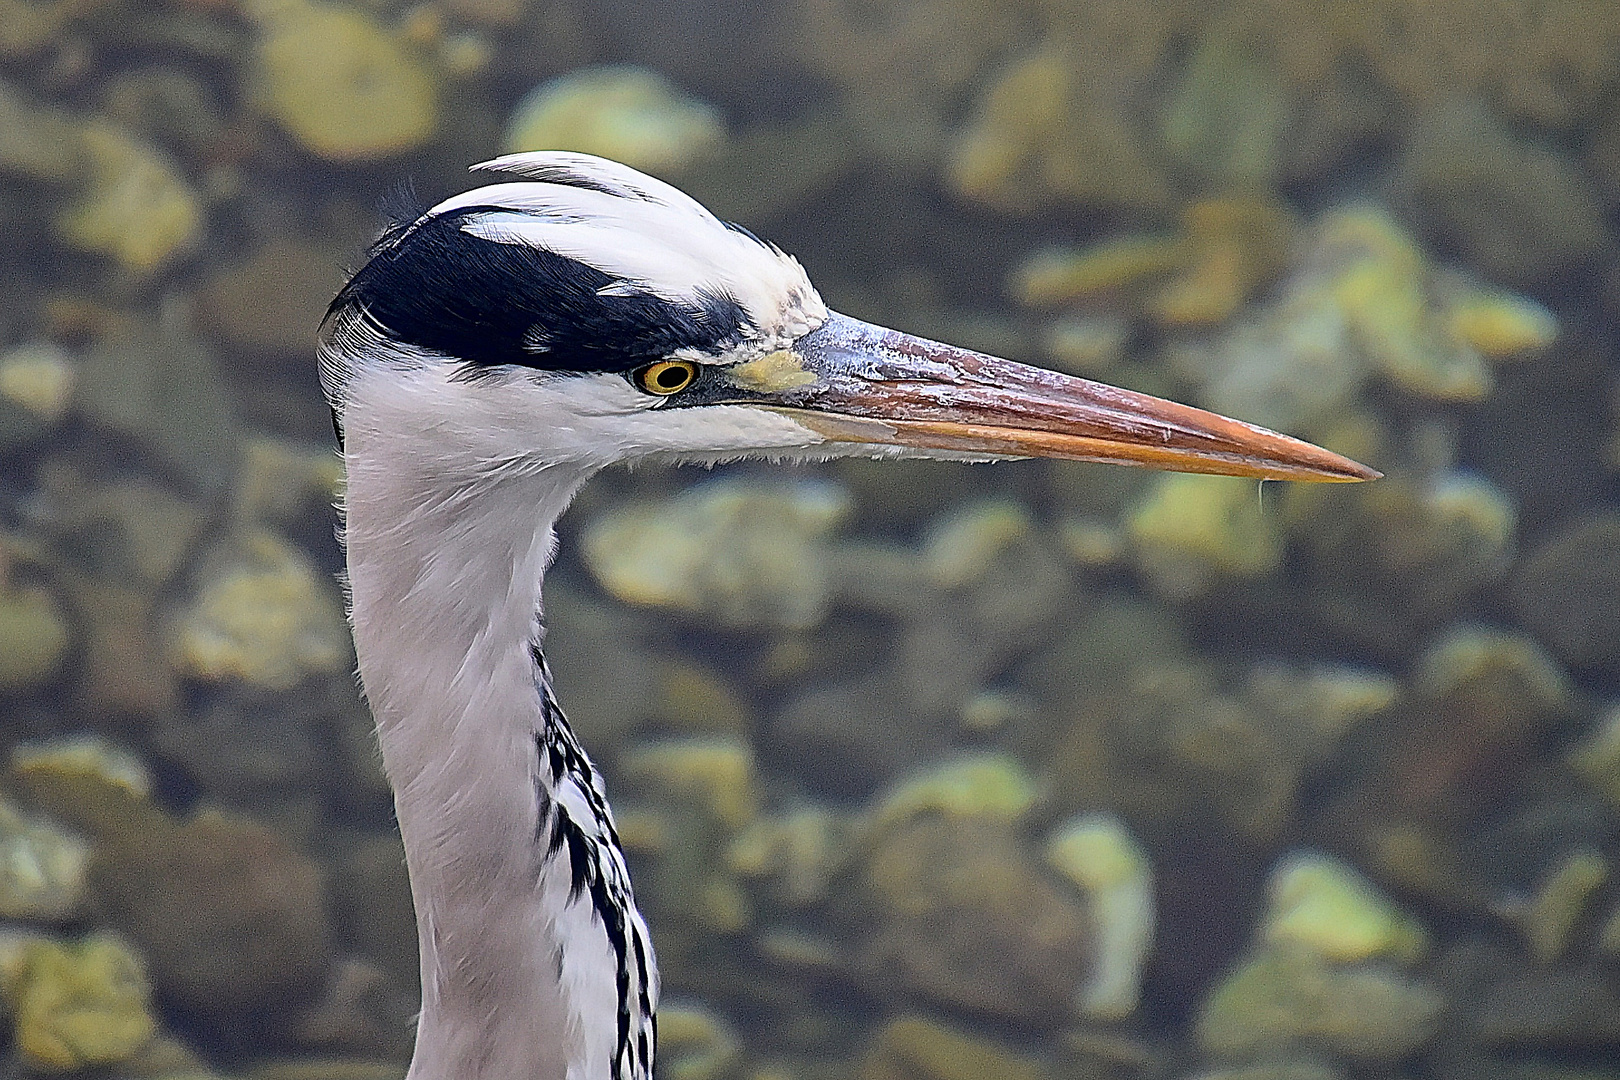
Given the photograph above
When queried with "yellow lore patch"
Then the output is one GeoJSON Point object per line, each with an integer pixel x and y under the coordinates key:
{"type": "Point", "coordinates": [775, 371]}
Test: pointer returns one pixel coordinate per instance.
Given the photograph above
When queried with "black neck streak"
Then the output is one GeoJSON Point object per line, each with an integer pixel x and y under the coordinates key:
{"type": "Point", "coordinates": [597, 874]}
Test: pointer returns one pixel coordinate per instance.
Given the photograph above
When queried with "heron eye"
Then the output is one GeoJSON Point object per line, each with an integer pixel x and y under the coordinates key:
{"type": "Point", "coordinates": [666, 377]}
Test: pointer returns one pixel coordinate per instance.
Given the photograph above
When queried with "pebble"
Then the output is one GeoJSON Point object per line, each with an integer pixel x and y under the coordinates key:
{"type": "Point", "coordinates": [79, 1006]}
{"type": "Point", "coordinates": [744, 553]}
{"type": "Point", "coordinates": [138, 207]}
{"type": "Point", "coordinates": [269, 620]}
{"type": "Point", "coordinates": [1323, 904]}
{"type": "Point", "coordinates": [34, 638]}
{"type": "Point", "coordinates": [617, 111]}
{"type": "Point", "coordinates": [1286, 999]}
{"type": "Point", "coordinates": [919, 1048]}
{"type": "Point", "coordinates": [42, 869]}
{"type": "Point", "coordinates": [38, 378]}
{"type": "Point", "coordinates": [340, 84]}
{"type": "Point", "coordinates": [1562, 900]}
{"type": "Point", "coordinates": [993, 786]}
{"type": "Point", "coordinates": [964, 917]}
{"type": "Point", "coordinates": [1098, 853]}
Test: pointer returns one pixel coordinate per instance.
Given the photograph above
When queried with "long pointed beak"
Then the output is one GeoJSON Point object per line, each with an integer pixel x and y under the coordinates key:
{"type": "Point", "coordinates": [855, 382]}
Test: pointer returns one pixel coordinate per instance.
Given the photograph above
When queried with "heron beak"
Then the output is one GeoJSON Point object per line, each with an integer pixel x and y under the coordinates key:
{"type": "Point", "coordinates": [855, 382]}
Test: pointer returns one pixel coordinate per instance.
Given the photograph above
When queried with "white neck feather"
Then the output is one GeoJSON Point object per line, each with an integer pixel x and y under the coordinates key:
{"type": "Point", "coordinates": [446, 552]}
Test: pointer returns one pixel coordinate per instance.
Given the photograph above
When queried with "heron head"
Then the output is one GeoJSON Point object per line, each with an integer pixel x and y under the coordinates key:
{"type": "Point", "coordinates": [588, 313]}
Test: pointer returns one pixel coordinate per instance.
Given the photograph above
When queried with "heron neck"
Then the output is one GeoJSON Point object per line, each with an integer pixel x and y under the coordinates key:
{"type": "Point", "coordinates": [445, 568]}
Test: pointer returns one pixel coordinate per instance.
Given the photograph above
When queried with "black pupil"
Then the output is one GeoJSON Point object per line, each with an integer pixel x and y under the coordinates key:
{"type": "Point", "coordinates": [671, 378]}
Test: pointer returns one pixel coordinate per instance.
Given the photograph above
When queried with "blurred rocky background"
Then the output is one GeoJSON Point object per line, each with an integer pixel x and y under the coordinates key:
{"type": "Point", "coordinates": [930, 772]}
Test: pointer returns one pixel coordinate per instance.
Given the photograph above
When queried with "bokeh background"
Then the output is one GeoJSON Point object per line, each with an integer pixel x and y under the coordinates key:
{"type": "Point", "coordinates": [929, 772]}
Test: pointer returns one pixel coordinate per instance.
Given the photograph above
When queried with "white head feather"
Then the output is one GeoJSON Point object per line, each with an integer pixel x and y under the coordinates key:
{"type": "Point", "coordinates": [642, 230]}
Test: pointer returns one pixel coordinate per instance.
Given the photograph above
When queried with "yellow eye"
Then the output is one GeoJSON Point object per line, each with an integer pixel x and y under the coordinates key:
{"type": "Point", "coordinates": [666, 377]}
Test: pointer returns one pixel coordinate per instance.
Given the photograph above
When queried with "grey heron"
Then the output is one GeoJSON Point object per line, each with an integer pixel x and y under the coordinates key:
{"type": "Point", "coordinates": [488, 358]}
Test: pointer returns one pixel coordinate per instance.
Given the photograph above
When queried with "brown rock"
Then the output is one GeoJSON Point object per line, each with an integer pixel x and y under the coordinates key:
{"type": "Point", "coordinates": [1551, 1010]}
{"type": "Point", "coordinates": [967, 918]}
{"type": "Point", "coordinates": [231, 917]}
{"type": "Point", "coordinates": [1568, 593]}
{"type": "Point", "coordinates": [273, 302]}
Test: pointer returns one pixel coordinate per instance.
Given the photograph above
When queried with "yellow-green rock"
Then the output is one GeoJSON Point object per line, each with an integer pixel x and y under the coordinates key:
{"type": "Point", "coordinates": [34, 638]}
{"type": "Point", "coordinates": [994, 710]}
{"type": "Point", "coordinates": [1232, 247]}
{"type": "Point", "coordinates": [1413, 548]}
{"type": "Point", "coordinates": [42, 868]}
{"type": "Point", "coordinates": [1321, 904]}
{"type": "Point", "coordinates": [995, 786]}
{"type": "Point", "coordinates": [340, 83]}
{"type": "Point", "coordinates": [1608, 938]}
{"type": "Point", "coordinates": [1561, 901]}
{"type": "Point", "coordinates": [280, 482]}
{"type": "Point", "coordinates": [1381, 286]}
{"type": "Point", "coordinates": [1504, 680]}
{"type": "Point", "coordinates": [722, 907]}
{"type": "Point", "coordinates": [1040, 136]}
{"type": "Point", "coordinates": [1289, 998]}
{"type": "Point", "coordinates": [86, 782]}
{"type": "Point", "coordinates": [642, 831]}
{"type": "Point", "coordinates": [1063, 275]}
{"type": "Point", "coordinates": [1086, 345]}
{"type": "Point", "coordinates": [128, 199]}
{"type": "Point", "coordinates": [693, 796]}
{"type": "Point", "coordinates": [1190, 530]}
{"type": "Point", "coordinates": [1099, 854]}
{"type": "Point", "coordinates": [1597, 759]}
{"type": "Point", "coordinates": [269, 620]}
{"type": "Point", "coordinates": [1330, 699]}
{"type": "Point", "coordinates": [1226, 249]}
{"type": "Point", "coordinates": [81, 1006]}
{"type": "Point", "coordinates": [915, 1048]}
{"type": "Point", "coordinates": [743, 553]}
{"type": "Point", "coordinates": [15, 945]}
{"type": "Point", "coordinates": [1092, 541]}
{"type": "Point", "coordinates": [694, 700]}
{"type": "Point", "coordinates": [960, 546]}
{"type": "Point", "coordinates": [1227, 120]}
{"type": "Point", "coordinates": [138, 208]}
{"type": "Point", "coordinates": [143, 532]}
{"type": "Point", "coordinates": [1500, 324]}
{"type": "Point", "coordinates": [801, 851]}
{"type": "Point", "coordinates": [83, 759]}
{"type": "Point", "coordinates": [38, 378]}
{"type": "Point", "coordinates": [718, 773]}
{"type": "Point", "coordinates": [1290, 366]}
{"type": "Point", "coordinates": [167, 1058]}
{"type": "Point", "coordinates": [694, 1043]}
{"type": "Point", "coordinates": [626, 113]}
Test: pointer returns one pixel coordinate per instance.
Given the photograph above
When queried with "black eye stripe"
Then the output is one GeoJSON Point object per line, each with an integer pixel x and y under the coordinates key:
{"type": "Point", "coordinates": [493, 303]}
